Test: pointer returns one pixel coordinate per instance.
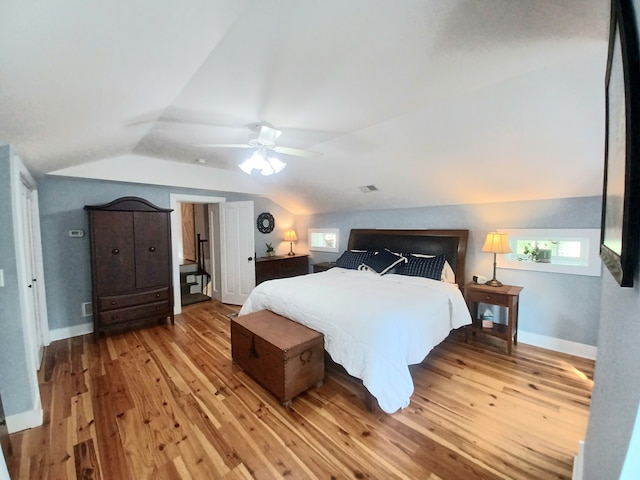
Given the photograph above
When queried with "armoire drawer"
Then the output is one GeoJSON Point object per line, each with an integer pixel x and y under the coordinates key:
{"type": "Point", "coordinates": [158, 309]}
{"type": "Point", "coordinates": [120, 301]}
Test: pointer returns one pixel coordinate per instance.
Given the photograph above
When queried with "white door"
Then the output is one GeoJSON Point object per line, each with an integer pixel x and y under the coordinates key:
{"type": "Point", "coordinates": [237, 251]}
{"type": "Point", "coordinates": [34, 282]}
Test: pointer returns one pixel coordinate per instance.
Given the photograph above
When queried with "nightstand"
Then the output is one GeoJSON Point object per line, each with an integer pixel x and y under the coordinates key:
{"type": "Point", "coordinates": [322, 266]}
{"type": "Point", "coordinates": [505, 296]}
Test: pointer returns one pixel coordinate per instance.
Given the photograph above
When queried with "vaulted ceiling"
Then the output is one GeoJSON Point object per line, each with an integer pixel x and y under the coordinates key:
{"type": "Point", "coordinates": [434, 102]}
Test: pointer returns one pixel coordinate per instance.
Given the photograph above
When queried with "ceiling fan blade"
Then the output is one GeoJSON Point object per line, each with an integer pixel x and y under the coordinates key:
{"type": "Point", "coordinates": [223, 145]}
{"type": "Point", "coordinates": [297, 152]}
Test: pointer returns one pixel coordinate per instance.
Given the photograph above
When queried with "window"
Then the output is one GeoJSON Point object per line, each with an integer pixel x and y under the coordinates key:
{"type": "Point", "coordinates": [572, 251]}
{"type": "Point", "coordinates": [324, 239]}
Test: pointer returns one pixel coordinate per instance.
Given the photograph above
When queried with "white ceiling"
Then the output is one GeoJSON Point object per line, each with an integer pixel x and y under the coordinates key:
{"type": "Point", "coordinates": [434, 102]}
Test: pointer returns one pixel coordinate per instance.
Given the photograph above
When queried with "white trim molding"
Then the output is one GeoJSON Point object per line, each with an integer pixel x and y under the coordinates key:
{"type": "Point", "coordinates": [25, 420]}
{"type": "Point", "coordinates": [69, 332]}
{"type": "Point", "coordinates": [558, 345]}
{"type": "Point", "coordinates": [578, 463]}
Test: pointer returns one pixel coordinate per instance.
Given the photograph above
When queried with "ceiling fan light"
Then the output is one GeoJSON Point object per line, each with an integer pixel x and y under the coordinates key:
{"type": "Point", "coordinates": [267, 169]}
{"type": "Point", "coordinates": [246, 166]}
{"type": "Point", "coordinates": [276, 164]}
{"type": "Point", "coordinates": [256, 161]}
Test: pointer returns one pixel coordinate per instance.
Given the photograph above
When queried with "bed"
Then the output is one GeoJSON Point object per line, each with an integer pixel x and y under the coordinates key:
{"type": "Point", "coordinates": [376, 325]}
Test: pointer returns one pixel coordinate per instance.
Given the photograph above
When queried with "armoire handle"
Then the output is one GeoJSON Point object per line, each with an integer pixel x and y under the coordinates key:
{"type": "Point", "coordinates": [115, 251]}
{"type": "Point", "coordinates": [152, 249]}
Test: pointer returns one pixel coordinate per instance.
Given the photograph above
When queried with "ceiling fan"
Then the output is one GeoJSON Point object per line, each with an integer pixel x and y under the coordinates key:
{"type": "Point", "coordinates": [265, 138]}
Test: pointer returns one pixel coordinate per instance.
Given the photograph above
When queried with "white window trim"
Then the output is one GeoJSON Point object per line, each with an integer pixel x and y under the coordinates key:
{"type": "Point", "coordinates": [594, 264]}
{"type": "Point", "coordinates": [334, 231]}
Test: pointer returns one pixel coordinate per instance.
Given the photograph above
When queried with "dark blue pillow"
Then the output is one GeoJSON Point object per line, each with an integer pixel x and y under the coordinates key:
{"type": "Point", "coordinates": [423, 267]}
{"type": "Point", "coordinates": [352, 259]}
{"type": "Point", "coordinates": [384, 261]}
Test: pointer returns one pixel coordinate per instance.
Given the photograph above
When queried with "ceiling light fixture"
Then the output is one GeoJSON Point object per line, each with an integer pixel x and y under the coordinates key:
{"type": "Point", "coordinates": [260, 161]}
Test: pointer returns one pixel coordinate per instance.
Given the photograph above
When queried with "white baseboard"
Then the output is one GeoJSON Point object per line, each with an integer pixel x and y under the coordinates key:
{"type": "Point", "coordinates": [68, 332]}
{"type": "Point", "coordinates": [558, 345]}
{"type": "Point", "coordinates": [578, 462]}
{"type": "Point", "coordinates": [25, 420]}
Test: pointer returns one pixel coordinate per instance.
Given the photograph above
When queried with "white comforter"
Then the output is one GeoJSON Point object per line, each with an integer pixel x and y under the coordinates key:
{"type": "Point", "coordinates": [374, 326]}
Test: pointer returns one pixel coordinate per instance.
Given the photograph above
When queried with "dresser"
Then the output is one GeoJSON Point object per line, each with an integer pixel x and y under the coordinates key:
{"type": "Point", "coordinates": [130, 263]}
{"type": "Point", "coordinates": [269, 268]}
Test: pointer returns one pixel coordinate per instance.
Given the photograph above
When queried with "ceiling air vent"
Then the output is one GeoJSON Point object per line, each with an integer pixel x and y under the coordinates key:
{"type": "Point", "coordinates": [368, 188]}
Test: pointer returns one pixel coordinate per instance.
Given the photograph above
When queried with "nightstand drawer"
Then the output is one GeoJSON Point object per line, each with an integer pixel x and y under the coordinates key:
{"type": "Point", "coordinates": [491, 298]}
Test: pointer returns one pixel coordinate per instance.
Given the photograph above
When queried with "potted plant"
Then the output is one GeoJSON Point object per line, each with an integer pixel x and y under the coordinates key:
{"type": "Point", "coordinates": [537, 254]}
{"type": "Point", "coordinates": [270, 250]}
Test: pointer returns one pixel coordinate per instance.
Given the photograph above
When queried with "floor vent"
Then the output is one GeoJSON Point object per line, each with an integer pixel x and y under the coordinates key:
{"type": "Point", "coordinates": [87, 309]}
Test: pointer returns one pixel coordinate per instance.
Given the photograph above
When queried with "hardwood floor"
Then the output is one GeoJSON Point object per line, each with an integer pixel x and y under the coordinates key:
{"type": "Point", "coordinates": [167, 403]}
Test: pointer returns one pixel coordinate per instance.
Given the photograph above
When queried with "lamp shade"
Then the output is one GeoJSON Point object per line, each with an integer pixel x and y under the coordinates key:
{"type": "Point", "coordinates": [290, 236]}
{"type": "Point", "coordinates": [496, 242]}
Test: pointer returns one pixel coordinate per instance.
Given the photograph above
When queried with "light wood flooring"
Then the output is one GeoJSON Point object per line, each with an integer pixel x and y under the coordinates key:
{"type": "Point", "coordinates": [168, 403]}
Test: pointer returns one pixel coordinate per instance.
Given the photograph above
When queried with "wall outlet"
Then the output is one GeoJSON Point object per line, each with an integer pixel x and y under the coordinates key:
{"type": "Point", "coordinates": [87, 309]}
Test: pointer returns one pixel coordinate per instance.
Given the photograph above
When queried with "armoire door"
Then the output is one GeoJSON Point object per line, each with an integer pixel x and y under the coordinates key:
{"type": "Point", "coordinates": [114, 252]}
{"type": "Point", "coordinates": [152, 249]}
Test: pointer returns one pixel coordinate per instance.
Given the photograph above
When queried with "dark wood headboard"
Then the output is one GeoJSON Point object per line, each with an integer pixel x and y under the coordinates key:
{"type": "Point", "coordinates": [453, 243]}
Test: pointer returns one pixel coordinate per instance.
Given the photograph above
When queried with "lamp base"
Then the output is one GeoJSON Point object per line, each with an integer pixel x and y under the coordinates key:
{"type": "Point", "coordinates": [291, 254]}
{"type": "Point", "coordinates": [493, 283]}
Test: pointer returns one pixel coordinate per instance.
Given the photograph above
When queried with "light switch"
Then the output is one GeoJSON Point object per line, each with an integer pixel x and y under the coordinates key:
{"type": "Point", "coordinates": [76, 233]}
{"type": "Point", "coordinates": [1, 277]}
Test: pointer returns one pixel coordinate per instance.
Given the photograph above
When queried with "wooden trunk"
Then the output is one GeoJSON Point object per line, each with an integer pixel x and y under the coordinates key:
{"type": "Point", "coordinates": [285, 357]}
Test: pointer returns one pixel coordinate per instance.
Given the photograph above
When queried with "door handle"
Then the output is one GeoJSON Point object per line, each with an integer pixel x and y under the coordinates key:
{"type": "Point", "coordinates": [249, 259]}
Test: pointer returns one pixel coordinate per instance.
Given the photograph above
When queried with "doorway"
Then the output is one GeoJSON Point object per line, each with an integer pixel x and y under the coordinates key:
{"type": "Point", "coordinates": [178, 251]}
{"type": "Point", "coordinates": [30, 275]}
{"type": "Point", "coordinates": [196, 266]}
{"type": "Point", "coordinates": [232, 260]}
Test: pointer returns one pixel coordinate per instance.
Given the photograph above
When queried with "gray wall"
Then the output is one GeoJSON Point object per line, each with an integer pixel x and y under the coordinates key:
{"type": "Point", "coordinates": [616, 392]}
{"type": "Point", "coordinates": [14, 384]}
{"type": "Point", "coordinates": [556, 305]}
{"type": "Point", "coordinates": [67, 264]}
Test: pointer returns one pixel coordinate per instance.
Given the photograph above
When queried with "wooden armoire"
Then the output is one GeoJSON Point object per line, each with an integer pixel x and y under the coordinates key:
{"type": "Point", "coordinates": [130, 263]}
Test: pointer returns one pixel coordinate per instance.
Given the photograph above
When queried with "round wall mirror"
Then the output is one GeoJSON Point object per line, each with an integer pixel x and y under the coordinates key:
{"type": "Point", "coordinates": [266, 222]}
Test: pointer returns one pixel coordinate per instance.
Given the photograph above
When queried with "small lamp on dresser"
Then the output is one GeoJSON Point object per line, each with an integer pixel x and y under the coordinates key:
{"type": "Point", "coordinates": [290, 236]}
{"type": "Point", "coordinates": [496, 242]}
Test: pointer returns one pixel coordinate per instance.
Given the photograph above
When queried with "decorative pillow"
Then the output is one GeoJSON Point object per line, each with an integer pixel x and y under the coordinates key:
{"type": "Point", "coordinates": [352, 259]}
{"type": "Point", "coordinates": [448, 275]}
{"type": "Point", "coordinates": [423, 267]}
{"type": "Point", "coordinates": [383, 261]}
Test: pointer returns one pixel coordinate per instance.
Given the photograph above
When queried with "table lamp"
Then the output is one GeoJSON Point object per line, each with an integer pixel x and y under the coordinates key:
{"type": "Point", "coordinates": [495, 243]}
{"type": "Point", "coordinates": [290, 236]}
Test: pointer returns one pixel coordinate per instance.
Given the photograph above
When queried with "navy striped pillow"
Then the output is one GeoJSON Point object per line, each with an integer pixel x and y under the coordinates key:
{"type": "Point", "coordinates": [423, 267]}
{"type": "Point", "coordinates": [352, 259]}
